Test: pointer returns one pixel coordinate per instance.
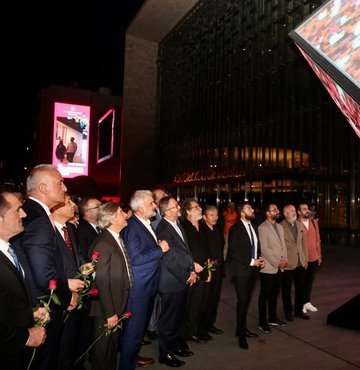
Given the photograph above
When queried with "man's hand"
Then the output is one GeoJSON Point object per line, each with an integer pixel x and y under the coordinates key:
{"type": "Point", "coordinates": [42, 315]}
{"type": "Point", "coordinates": [209, 277]}
{"type": "Point", "coordinates": [37, 336]}
{"type": "Point", "coordinates": [112, 321]}
{"type": "Point", "coordinates": [75, 285]}
{"type": "Point", "coordinates": [198, 268]}
{"type": "Point", "coordinates": [87, 269]}
{"type": "Point", "coordinates": [164, 245]}
{"type": "Point", "coordinates": [73, 302]}
{"type": "Point", "coordinates": [192, 278]}
{"type": "Point", "coordinates": [259, 262]}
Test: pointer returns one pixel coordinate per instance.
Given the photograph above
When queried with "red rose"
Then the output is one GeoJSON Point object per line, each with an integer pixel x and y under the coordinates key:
{"type": "Point", "coordinates": [52, 284]}
{"type": "Point", "coordinates": [94, 292]}
{"type": "Point", "coordinates": [127, 315]}
{"type": "Point", "coordinates": [95, 255]}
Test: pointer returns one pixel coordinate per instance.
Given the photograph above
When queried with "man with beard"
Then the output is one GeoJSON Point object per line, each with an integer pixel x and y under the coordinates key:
{"type": "Point", "coordinates": [145, 252]}
{"type": "Point", "coordinates": [312, 237]}
{"type": "Point", "coordinates": [297, 264]}
{"type": "Point", "coordinates": [273, 249]}
{"type": "Point", "coordinates": [245, 260]}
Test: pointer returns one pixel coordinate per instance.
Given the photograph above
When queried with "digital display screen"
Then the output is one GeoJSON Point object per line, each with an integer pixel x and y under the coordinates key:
{"type": "Point", "coordinates": [71, 139]}
{"type": "Point", "coordinates": [329, 39]}
{"type": "Point", "coordinates": [106, 136]}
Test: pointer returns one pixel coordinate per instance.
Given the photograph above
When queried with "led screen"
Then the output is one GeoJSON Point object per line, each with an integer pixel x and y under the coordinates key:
{"type": "Point", "coordinates": [106, 136]}
{"type": "Point", "coordinates": [330, 41]}
{"type": "Point", "coordinates": [71, 139]}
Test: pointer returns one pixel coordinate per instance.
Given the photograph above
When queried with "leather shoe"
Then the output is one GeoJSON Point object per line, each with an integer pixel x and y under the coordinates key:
{"type": "Point", "coordinates": [170, 360]}
{"type": "Point", "coordinates": [205, 337]}
{"type": "Point", "coordinates": [183, 352]}
{"type": "Point", "coordinates": [250, 334]}
{"type": "Point", "coordinates": [145, 342]}
{"type": "Point", "coordinates": [243, 343]}
{"type": "Point", "coordinates": [144, 361]}
{"type": "Point", "coordinates": [303, 315]}
{"type": "Point", "coordinates": [194, 339]}
{"type": "Point", "coordinates": [215, 330]}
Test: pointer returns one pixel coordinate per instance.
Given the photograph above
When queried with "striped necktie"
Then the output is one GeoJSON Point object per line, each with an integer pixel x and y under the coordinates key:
{"type": "Point", "coordinates": [14, 257]}
{"type": "Point", "coordinates": [127, 262]}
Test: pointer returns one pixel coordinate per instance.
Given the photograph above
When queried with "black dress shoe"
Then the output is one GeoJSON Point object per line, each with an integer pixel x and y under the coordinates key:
{"type": "Point", "coordinates": [194, 339]}
{"type": "Point", "coordinates": [215, 330]}
{"type": "Point", "coordinates": [243, 343]}
{"type": "Point", "coordinates": [145, 342]}
{"type": "Point", "coordinates": [250, 334]}
{"type": "Point", "coordinates": [205, 337]}
{"type": "Point", "coordinates": [170, 360]}
{"type": "Point", "coordinates": [183, 352]}
{"type": "Point", "coordinates": [302, 315]}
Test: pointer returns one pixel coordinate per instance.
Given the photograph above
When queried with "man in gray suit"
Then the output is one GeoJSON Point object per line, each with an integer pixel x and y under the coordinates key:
{"type": "Point", "coordinates": [113, 280]}
{"type": "Point", "coordinates": [297, 264]}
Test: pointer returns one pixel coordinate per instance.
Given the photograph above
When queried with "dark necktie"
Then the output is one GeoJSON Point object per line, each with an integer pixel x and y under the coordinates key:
{"type": "Point", "coordinates": [15, 259]}
{"type": "Point", "coordinates": [68, 241]}
{"type": "Point", "coordinates": [252, 242]}
{"type": "Point", "coordinates": [98, 229]}
{"type": "Point", "coordinates": [128, 262]}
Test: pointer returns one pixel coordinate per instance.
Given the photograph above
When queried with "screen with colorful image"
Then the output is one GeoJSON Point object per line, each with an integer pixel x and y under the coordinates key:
{"type": "Point", "coordinates": [71, 139]}
{"type": "Point", "coordinates": [330, 41]}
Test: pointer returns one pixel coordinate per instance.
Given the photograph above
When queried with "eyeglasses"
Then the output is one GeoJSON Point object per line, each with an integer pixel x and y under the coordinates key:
{"type": "Point", "coordinates": [168, 209]}
{"type": "Point", "coordinates": [197, 207]}
{"type": "Point", "coordinates": [97, 206]}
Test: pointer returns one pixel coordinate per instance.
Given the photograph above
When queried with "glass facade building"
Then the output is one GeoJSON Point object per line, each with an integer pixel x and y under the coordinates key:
{"type": "Point", "coordinates": [240, 114]}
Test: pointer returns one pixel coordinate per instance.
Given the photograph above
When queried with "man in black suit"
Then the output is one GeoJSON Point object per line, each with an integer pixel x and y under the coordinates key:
{"type": "Point", "coordinates": [17, 331]}
{"type": "Point", "coordinates": [40, 257]}
{"type": "Point", "coordinates": [88, 228]}
{"type": "Point", "coordinates": [66, 240]}
{"type": "Point", "coordinates": [177, 272]}
{"type": "Point", "coordinates": [244, 256]}
{"type": "Point", "coordinates": [114, 278]}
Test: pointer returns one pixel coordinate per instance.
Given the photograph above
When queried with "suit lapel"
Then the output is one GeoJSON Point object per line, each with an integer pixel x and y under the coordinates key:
{"type": "Point", "coordinates": [141, 225]}
{"type": "Point", "coordinates": [11, 266]}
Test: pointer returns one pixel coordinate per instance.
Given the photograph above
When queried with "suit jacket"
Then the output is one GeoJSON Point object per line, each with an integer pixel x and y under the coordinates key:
{"type": "Point", "coordinates": [111, 280]}
{"type": "Point", "coordinates": [15, 314]}
{"type": "Point", "coordinates": [177, 263]}
{"type": "Point", "coordinates": [39, 255]}
{"type": "Point", "coordinates": [240, 249]}
{"type": "Point", "coordinates": [296, 249]}
{"type": "Point", "coordinates": [273, 247]}
{"type": "Point", "coordinates": [86, 235]}
{"type": "Point", "coordinates": [71, 264]}
{"type": "Point", "coordinates": [145, 255]}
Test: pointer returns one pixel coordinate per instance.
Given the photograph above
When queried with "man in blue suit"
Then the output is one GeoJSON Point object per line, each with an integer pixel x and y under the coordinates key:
{"type": "Point", "coordinates": [41, 257]}
{"type": "Point", "coordinates": [145, 252]}
{"type": "Point", "coordinates": [177, 273]}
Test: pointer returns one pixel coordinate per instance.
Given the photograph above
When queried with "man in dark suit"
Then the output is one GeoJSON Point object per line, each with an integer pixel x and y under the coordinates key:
{"type": "Point", "coordinates": [177, 272]}
{"type": "Point", "coordinates": [114, 278]}
{"type": "Point", "coordinates": [41, 257]}
{"type": "Point", "coordinates": [145, 252]}
{"type": "Point", "coordinates": [88, 228]}
{"type": "Point", "coordinates": [245, 260]}
{"type": "Point", "coordinates": [66, 240]}
{"type": "Point", "coordinates": [17, 331]}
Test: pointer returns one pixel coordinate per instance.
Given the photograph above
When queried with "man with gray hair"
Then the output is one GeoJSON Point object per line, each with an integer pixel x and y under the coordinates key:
{"type": "Point", "coordinates": [41, 257]}
{"type": "Point", "coordinates": [145, 252]}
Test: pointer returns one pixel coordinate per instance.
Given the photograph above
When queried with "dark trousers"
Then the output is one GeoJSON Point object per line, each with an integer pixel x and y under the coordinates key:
{"type": "Point", "coordinates": [170, 319]}
{"type": "Point", "coordinates": [269, 291]}
{"type": "Point", "coordinates": [203, 322]}
{"type": "Point", "coordinates": [104, 353]}
{"type": "Point", "coordinates": [309, 279]}
{"type": "Point", "coordinates": [214, 296]}
{"type": "Point", "coordinates": [192, 309]}
{"type": "Point", "coordinates": [244, 285]}
{"type": "Point", "coordinates": [298, 277]}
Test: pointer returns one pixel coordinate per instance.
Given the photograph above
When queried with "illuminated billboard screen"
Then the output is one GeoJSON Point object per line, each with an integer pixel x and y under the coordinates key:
{"type": "Point", "coordinates": [71, 139]}
{"type": "Point", "coordinates": [329, 39]}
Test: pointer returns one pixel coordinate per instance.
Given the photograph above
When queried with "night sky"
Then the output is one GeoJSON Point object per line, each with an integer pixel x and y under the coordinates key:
{"type": "Point", "coordinates": [58, 43]}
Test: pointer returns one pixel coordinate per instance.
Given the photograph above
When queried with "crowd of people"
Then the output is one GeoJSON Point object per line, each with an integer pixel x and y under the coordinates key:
{"type": "Point", "coordinates": [96, 275]}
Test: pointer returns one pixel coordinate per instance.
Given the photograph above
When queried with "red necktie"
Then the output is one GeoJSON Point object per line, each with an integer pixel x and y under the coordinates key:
{"type": "Point", "coordinates": [68, 241]}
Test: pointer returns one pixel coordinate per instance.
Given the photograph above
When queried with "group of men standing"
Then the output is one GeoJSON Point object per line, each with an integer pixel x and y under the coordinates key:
{"type": "Point", "coordinates": [284, 253]}
{"type": "Point", "coordinates": [180, 263]}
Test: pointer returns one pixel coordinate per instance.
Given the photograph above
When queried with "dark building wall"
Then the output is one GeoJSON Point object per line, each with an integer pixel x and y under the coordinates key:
{"type": "Point", "coordinates": [236, 100]}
